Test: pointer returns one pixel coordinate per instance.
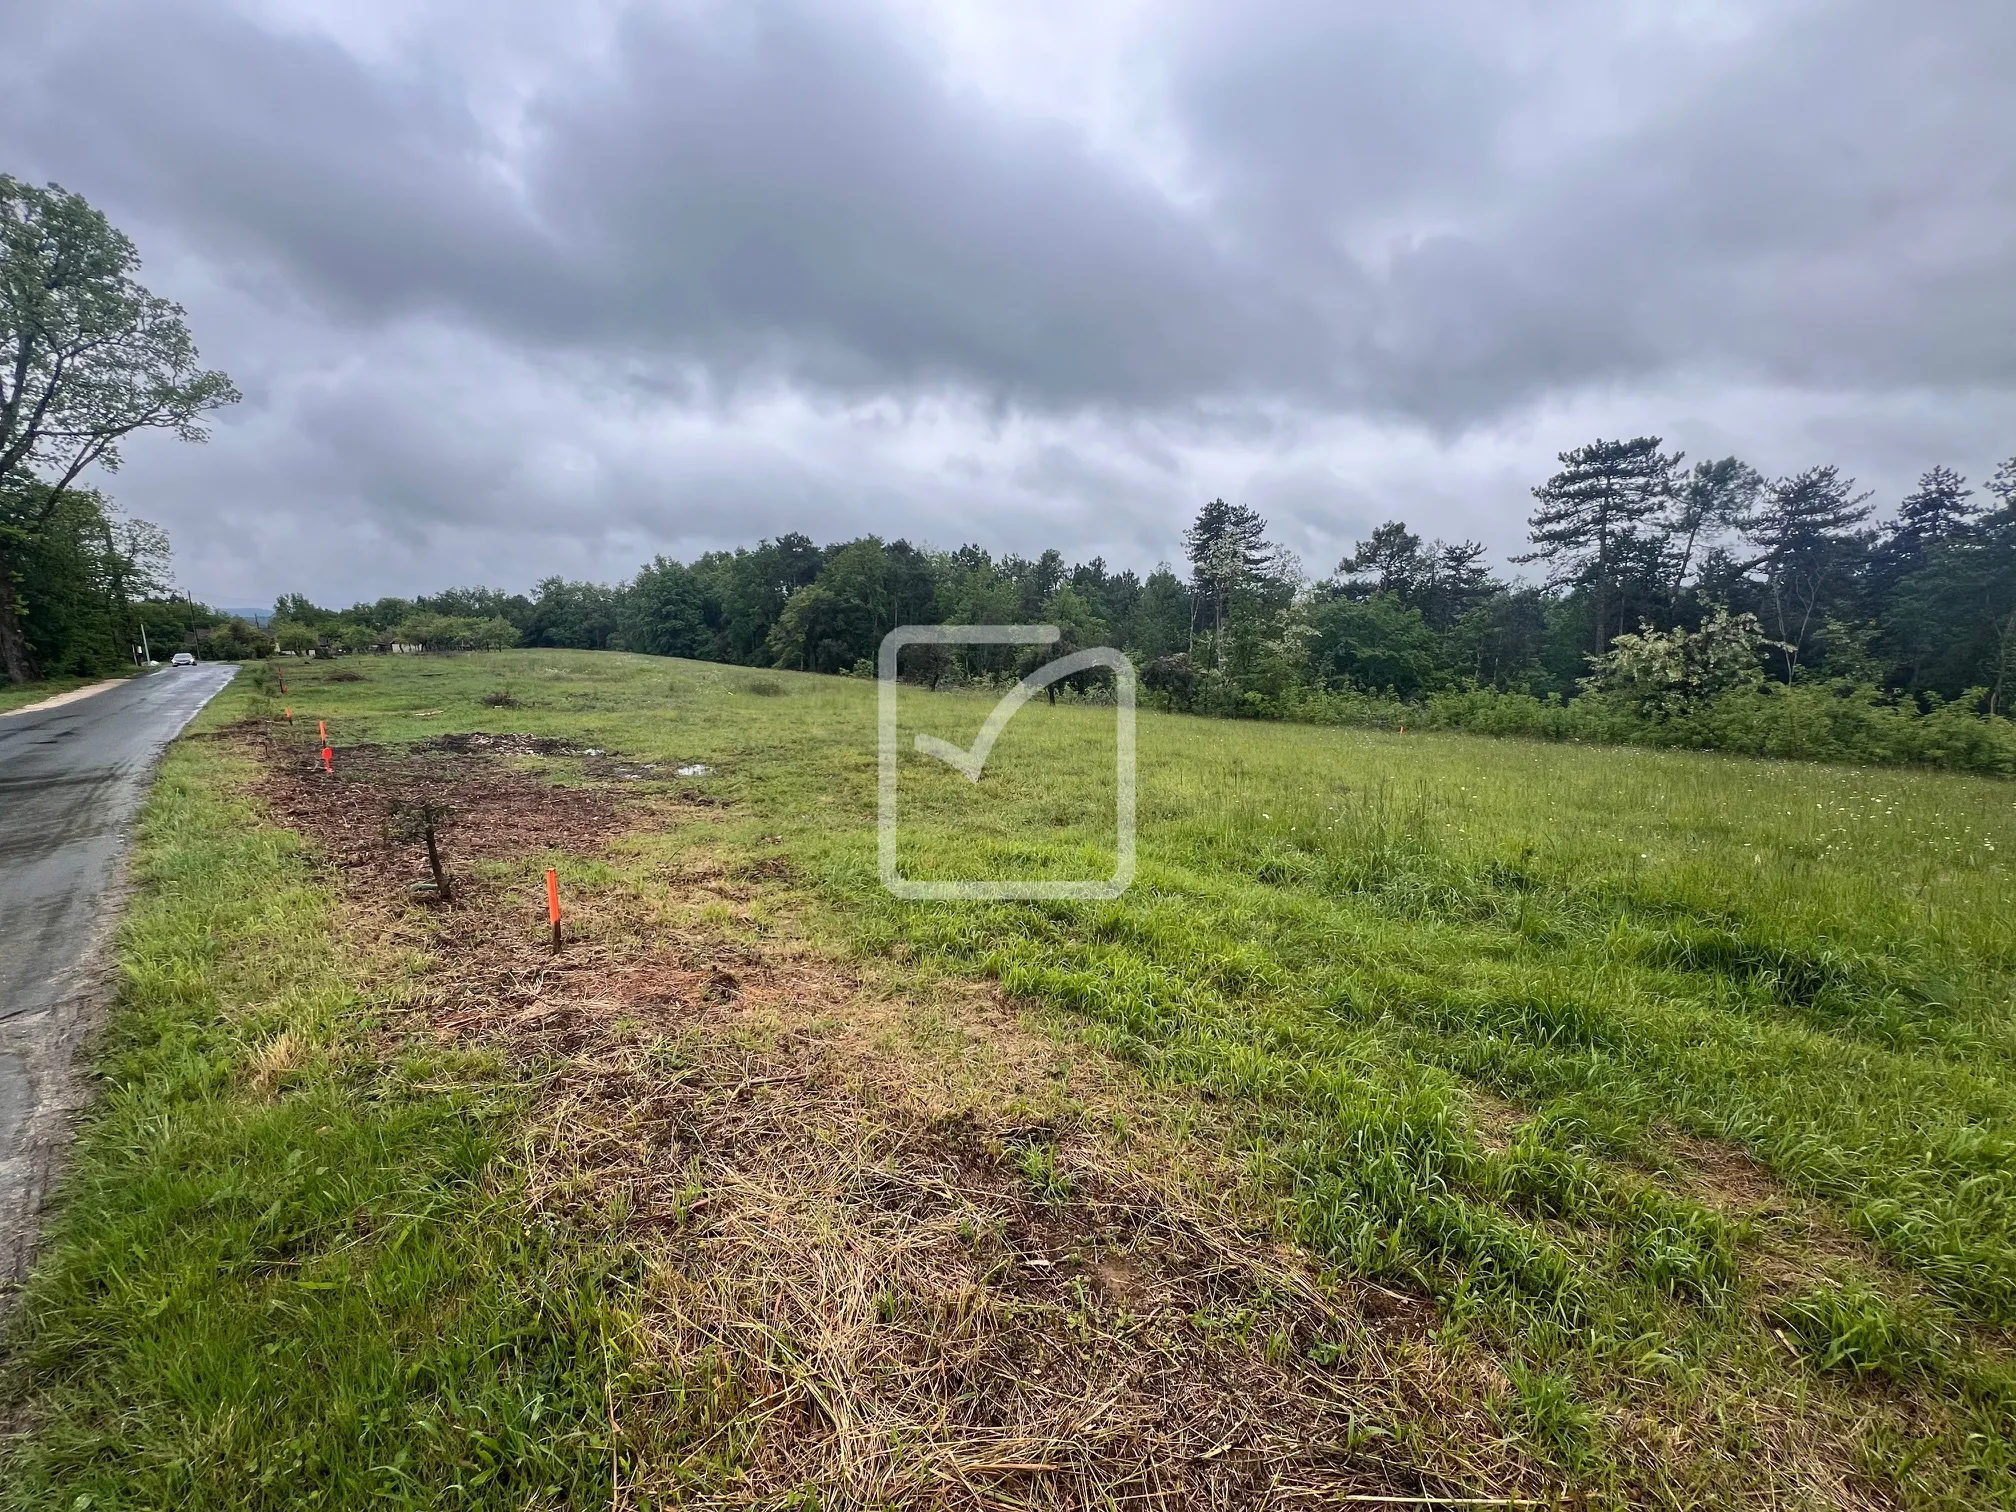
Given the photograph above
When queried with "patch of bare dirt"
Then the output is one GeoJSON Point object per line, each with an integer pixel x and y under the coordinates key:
{"type": "Point", "coordinates": [1494, 1121]}
{"type": "Point", "coordinates": [494, 810]}
{"type": "Point", "coordinates": [484, 743]}
{"type": "Point", "coordinates": [1728, 1176]}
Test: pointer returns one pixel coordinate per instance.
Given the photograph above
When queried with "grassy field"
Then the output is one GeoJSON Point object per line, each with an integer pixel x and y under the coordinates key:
{"type": "Point", "coordinates": [1592, 1123]}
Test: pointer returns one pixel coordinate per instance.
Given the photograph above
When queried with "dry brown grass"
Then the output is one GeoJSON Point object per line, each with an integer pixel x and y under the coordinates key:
{"type": "Point", "coordinates": [910, 1304]}
{"type": "Point", "coordinates": [901, 1303]}
{"type": "Point", "coordinates": [274, 1061]}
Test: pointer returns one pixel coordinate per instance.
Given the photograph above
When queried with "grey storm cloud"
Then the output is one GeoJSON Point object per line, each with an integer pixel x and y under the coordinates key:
{"type": "Point", "coordinates": [540, 286]}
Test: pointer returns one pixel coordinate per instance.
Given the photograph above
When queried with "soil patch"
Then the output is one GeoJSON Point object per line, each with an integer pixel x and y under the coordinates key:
{"type": "Point", "coordinates": [494, 811]}
{"type": "Point", "coordinates": [1731, 1177]}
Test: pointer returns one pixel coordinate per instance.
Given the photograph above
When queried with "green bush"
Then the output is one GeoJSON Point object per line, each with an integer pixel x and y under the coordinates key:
{"type": "Point", "coordinates": [1853, 724]}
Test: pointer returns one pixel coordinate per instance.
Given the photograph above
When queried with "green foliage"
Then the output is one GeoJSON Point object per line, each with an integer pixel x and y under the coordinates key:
{"type": "Point", "coordinates": [1854, 1327]}
{"type": "Point", "coordinates": [86, 579]}
{"type": "Point", "coordinates": [1422, 635]}
{"type": "Point", "coordinates": [87, 357]}
{"type": "Point", "coordinates": [665, 611]}
{"type": "Point", "coordinates": [444, 632]}
{"type": "Point", "coordinates": [294, 637]}
{"type": "Point", "coordinates": [1805, 526]}
{"type": "Point", "coordinates": [1592, 523]}
{"type": "Point", "coordinates": [1952, 621]}
{"type": "Point", "coordinates": [1374, 643]}
{"type": "Point", "coordinates": [1797, 723]}
{"type": "Point", "coordinates": [586, 616]}
{"type": "Point", "coordinates": [1661, 673]}
{"type": "Point", "coordinates": [1039, 1166]}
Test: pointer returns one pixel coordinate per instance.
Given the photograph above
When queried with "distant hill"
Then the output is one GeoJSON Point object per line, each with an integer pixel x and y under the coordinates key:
{"type": "Point", "coordinates": [256, 616]}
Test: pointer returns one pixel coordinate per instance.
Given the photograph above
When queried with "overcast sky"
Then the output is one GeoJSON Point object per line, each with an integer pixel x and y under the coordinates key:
{"type": "Point", "coordinates": [523, 288]}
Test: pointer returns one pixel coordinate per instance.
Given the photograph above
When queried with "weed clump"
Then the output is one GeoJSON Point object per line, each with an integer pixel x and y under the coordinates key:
{"type": "Point", "coordinates": [1851, 1326]}
{"type": "Point", "coordinates": [502, 698]}
{"type": "Point", "coordinates": [345, 675]}
{"type": "Point", "coordinates": [764, 687]}
{"type": "Point", "coordinates": [1039, 1167]}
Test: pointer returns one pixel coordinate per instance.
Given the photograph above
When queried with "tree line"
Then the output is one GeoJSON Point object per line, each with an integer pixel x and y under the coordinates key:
{"type": "Point", "coordinates": [1701, 604]}
{"type": "Point", "coordinates": [1662, 589]}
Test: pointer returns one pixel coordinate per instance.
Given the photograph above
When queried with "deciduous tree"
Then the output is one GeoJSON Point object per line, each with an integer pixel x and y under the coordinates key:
{"type": "Point", "coordinates": [87, 357]}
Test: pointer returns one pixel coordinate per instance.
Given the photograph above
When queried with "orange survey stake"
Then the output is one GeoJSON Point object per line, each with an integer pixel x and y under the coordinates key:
{"type": "Point", "coordinates": [327, 766]}
{"type": "Point", "coordinates": [290, 716]}
{"type": "Point", "coordinates": [322, 729]}
{"type": "Point", "coordinates": [553, 905]}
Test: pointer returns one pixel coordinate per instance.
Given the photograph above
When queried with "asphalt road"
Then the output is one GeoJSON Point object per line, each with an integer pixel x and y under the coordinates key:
{"type": "Point", "coordinates": [71, 780]}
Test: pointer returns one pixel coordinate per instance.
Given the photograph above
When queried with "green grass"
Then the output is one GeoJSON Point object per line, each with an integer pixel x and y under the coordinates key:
{"type": "Point", "coordinates": [1360, 943]}
{"type": "Point", "coordinates": [311, 1287]}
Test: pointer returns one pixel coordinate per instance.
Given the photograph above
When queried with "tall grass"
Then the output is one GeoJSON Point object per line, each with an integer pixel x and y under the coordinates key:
{"type": "Point", "coordinates": [1838, 724]}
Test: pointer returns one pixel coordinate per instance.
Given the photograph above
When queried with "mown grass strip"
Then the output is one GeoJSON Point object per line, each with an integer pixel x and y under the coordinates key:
{"type": "Point", "coordinates": [285, 1274]}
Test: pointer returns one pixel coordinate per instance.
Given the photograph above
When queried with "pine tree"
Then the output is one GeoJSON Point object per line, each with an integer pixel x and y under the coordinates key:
{"type": "Point", "coordinates": [1590, 516]}
{"type": "Point", "coordinates": [1457, 582]}
{"type": "Point", "coordinates": [1806, 527]}
{"type": "Point", "coordinates": [1227, 547]}
{"type": "Point", "coordinates": [1394, 553]}
{"type": "Point", "coordinates": [1938, 508]}
{"type": "Point", "coordinates": [2003, 486]}
{"type": "Point", "coordinates": [1936, 512]}
{"type": "Point", "coordinates": [1714, 497]}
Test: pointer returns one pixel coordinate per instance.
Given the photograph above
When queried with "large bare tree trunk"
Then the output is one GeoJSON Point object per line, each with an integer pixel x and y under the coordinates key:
{"type": "Point", "coordinates": [15, 657]}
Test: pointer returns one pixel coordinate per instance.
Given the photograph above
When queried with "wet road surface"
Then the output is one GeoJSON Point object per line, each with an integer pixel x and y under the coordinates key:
{"type": "Point", "coordinates": [71, 780]}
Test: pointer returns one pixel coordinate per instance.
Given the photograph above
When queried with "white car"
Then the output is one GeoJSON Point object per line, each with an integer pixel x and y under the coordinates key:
{"type": "Point", "coordinates": [182, 659]}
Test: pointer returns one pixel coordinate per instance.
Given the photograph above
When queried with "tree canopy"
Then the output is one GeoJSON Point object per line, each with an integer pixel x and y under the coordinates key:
{"type": "Point", "coordinates": [88, 356]}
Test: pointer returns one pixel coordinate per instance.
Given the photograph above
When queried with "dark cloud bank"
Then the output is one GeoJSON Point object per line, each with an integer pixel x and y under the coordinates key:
{"type": "Point", "coordinates": [519, 291]}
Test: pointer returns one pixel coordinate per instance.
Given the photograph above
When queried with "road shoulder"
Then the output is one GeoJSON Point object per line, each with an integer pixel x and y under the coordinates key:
{"type": "Point", "coordinates": [57, 700]}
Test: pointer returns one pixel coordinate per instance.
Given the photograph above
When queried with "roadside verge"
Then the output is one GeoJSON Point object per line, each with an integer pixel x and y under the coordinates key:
{"type": "Point", "coordinates": [69, 690]}
{"type": "Point", "coordinates": [283, 1266]}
